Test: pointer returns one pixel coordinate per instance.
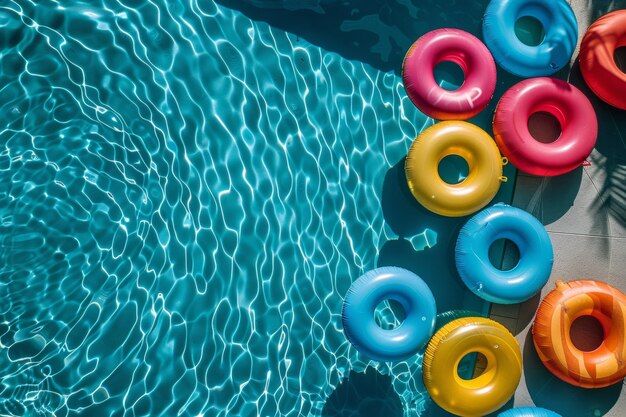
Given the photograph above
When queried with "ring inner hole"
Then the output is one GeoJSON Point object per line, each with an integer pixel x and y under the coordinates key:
{"type": "Point", "coordinates": [544, 127]}
{"type": "Point", "coordinates": [504, 254]}
{"type": "Point", "coordinates": [471, 366]}
{"type": "Point", "coordinates": [620, 58]}
{"type": "Point", "coordinates": [529, 31]}
{"type": "Point", "coordinates": [453, 169]}
{"type": "Point", "coordinates": [449, 75]}
{"type": "Point", "coordinates": [389, 314]}
{"type": "Point", "coordinates": [586, 333]}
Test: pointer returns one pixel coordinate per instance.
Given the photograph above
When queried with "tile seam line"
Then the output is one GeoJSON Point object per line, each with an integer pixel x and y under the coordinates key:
{"type": "Point", "coordinates": [586, 235]}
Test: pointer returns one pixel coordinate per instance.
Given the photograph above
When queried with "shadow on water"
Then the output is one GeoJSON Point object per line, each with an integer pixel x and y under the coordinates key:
{"type": "Point", "coordinates": [430, 253]}
{"type": "Point", "coordinates": [426, 246]}
{"type": "Point", "coordinates": [368, 394]}
{"type": "Point", "coordinates": [378, 32]}
{"type": "Point", "coordinates": [547, 391]}
{"type": "Point", "coordinates": [426, 242]}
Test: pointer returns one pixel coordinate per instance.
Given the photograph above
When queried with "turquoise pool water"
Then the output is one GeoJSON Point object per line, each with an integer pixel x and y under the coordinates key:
{"type": "Point", "coordinates": [186, 195]}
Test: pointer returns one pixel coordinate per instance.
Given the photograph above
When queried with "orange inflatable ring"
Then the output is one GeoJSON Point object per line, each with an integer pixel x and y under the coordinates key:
{"type": "Point", "coordinates": [604, 366]}
{"type": "Point", "coordinates": [597, 62]}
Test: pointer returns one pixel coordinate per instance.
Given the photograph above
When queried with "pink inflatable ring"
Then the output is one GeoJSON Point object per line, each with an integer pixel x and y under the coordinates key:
{"type": "Point", "coordinates": [574, 112]}
{"type": "Point", "coordinates": [465, 50]}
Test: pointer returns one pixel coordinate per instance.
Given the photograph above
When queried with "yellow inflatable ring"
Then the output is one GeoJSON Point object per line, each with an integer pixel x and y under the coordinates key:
{"type": "Point", "coordinates": [489, 391]}
{"type": "Point", "coordinates": [470, 143]}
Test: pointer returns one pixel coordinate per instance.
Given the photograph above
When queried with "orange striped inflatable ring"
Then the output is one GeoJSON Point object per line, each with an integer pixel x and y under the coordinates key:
{"type": "Point", "coordinates": [598, 368]}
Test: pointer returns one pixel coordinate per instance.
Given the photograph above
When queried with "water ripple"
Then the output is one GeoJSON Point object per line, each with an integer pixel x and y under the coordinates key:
{"type": "Point", "coordinates": [186, 196]}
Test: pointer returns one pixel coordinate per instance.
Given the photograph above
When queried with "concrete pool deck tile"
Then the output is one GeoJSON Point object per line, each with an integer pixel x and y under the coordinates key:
{"type": "Point", "coordinates": [508, 322]}
{"type": "Point", "coordinates": [505, 310]}
{"type": "Point", "coordinates": [527, 195]}
{"type": "Point", "coordinates": [575, 212]}
{"type": "Point", "coordinates": [615, 213]}
{"type": "Point", "coordinates": [617, 227]}
{"type": "Point", "coordinates": [596, 170]}
{"type": "Point", "coordinates": [610, 205]}
{"type": "Point", "coordinates": [617, 264]}
{"type": "Point", "coordinates": [572, 203]}
{"type": "Point", "coordinates": [524, 327]}
{"type": "Point", "coordinates": [579, 257]}
{"type": "Point", "coordinates": [528, 309]}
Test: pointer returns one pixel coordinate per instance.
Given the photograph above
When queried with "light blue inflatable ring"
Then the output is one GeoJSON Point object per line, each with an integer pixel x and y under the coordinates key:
{"type": "Point", "coordinates": [490, 283]}
{"type": "Point", "coordinates": [528, 412]}
{"type": "Point", "coordinates": [370, 290]}
{"type": "Point", "coordinates": [552, 54]}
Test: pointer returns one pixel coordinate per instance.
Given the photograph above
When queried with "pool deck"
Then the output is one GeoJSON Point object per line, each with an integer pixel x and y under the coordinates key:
{"type": "Point", "coordinates": [584, 213]}
{"type": "Point", "coordinates": [584, 248]}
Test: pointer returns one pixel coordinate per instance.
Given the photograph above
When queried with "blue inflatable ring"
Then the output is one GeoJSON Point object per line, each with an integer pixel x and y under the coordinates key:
{"type": "Point", "coordinates": [529, 412]}
{"type": "Point", "coordinates": [552, 54]}
{"type": "Point", "coordinates": [490, 283]}
{"type": "Point", "coordinates": [370, 290]}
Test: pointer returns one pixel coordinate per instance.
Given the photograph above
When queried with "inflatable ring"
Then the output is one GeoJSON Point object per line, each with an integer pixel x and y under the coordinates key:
{"type": "Point", "coordinates": [601, 367]}
{"type": "Point", "coordinates": [597, 62]}
{"type": "Point", "coordinates": [454, 138]}
{"type": "Point", "coordinates": [486, 393]}
{"type": "Point", "coordinates": [552, 54]}
{"type": "Point", "coordinates": [490, 283]}
{"type": "Point", "coordinates": [562, 100]}
{"type": "Point", "coordinates": [528, 412]}
{"type": "Point", "coordinates": [370, 290]}
{"type": "Point", "coordinates": [465, 50]}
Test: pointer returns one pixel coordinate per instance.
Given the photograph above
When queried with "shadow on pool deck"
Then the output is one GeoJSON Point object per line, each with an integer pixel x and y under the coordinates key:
{"type": "Point", "coordinates": [548, 198]}
{"type": "Point", "coordinates": [601, 7]}
{"type": "Point", "coordinates": [610, 157]}
{"type": "Point", "coordinates": [547, 391]}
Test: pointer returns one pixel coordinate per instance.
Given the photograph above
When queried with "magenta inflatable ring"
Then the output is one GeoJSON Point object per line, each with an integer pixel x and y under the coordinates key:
{"type": "Point", "coordinates": [572, 109]}
{"type": "Point", "coordinates": [461, 48]}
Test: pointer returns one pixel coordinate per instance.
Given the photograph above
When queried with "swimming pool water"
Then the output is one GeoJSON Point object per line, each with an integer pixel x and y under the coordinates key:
{"type": "Point", "coordinates": [186, 195]}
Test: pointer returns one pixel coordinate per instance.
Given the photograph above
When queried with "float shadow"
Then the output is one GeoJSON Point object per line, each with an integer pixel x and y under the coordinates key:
{"type": "Point", "coordinates": [608, 170]}
{"type": "Point", "coordinates": [368, 394]}
{"type": "Point", "coordinates": [430, 251]}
